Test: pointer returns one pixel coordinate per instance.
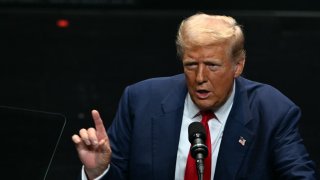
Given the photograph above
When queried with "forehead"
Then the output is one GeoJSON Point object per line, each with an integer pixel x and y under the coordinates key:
{"type": "Point", "coordinates": [221, 50]}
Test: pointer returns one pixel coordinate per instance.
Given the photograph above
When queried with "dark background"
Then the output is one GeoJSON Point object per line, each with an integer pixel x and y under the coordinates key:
{"type": "Point", "coordinates": [111, 44]}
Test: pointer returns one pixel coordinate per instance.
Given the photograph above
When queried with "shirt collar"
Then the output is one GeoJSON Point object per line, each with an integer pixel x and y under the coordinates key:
{"type": "Point", "coordinates": [221, 113]}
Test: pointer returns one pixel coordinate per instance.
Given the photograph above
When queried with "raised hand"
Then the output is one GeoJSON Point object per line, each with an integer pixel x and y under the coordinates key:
{"type": "Point", "coordinates": [93, 147]}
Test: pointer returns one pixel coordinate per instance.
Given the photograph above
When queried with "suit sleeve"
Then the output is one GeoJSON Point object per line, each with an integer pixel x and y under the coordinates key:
{"type": "Point", "coordinates": [291, 159]}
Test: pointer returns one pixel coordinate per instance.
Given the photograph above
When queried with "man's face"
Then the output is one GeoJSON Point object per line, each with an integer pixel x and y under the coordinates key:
{"type": "Point", "coordinates": [210, 72]}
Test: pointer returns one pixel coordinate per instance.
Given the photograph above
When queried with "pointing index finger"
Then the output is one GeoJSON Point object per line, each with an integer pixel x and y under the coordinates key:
{"type": "Point", "coordinates": [101, 131]}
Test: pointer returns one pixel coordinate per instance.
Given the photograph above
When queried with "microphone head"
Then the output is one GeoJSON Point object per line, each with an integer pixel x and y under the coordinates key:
{"type": "Point", "coordinates": [196, 130]}
{"type": "Point", "coordinates": [197, 138]}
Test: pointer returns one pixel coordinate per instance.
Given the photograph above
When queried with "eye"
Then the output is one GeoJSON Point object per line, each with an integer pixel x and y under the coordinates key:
{"type": "Point", "coordinates": [212, 66]}
{"type": "Point", "coordinates": [190, 65]}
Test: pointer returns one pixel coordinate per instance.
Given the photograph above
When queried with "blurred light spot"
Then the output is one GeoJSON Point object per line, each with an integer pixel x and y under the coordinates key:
{"type": "Point", "coordinates": [62, 23]}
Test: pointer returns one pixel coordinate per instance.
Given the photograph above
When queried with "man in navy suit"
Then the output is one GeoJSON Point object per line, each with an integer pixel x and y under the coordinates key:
{"type": "Point", "coordinates": [254, 133]}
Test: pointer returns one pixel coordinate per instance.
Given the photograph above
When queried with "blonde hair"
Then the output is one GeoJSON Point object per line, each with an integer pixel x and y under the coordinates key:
{"type": "Point", "coordinates": [205, 30]}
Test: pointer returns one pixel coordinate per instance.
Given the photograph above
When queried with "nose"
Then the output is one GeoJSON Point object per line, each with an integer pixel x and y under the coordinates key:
{"type": "Point", "coordinates": [201, 74]}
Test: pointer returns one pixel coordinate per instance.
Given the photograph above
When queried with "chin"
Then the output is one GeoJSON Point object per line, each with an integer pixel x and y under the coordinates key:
{"type": "Point", "coordinates": [204, 105]}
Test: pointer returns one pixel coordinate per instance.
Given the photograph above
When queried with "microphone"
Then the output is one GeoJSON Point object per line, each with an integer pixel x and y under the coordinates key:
{"type": "Point", "coordinates": [198, 150]}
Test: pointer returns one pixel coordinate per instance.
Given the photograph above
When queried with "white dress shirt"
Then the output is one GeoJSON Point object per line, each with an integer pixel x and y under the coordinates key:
{"type": "Point", "coordinates": [191, 114]}
{"type": "Point", "coordinates": [216, 126]}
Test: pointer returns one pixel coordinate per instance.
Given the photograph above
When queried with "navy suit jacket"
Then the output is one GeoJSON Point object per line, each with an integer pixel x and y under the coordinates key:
{"type": "Point", "coordinates": [144, 134]}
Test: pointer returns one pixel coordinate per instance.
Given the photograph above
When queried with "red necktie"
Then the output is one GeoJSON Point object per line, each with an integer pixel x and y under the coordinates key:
{"type": "Point", "coordinates": [191, 170]}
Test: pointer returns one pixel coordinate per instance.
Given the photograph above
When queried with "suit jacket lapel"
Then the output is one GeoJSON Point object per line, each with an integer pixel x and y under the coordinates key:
{"type": "Point", "coordinates": [166, 131]}
{"type": "Point", "coordinates": [237, 137]}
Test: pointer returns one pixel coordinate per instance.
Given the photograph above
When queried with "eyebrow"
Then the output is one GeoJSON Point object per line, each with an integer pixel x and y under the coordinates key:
{"type": "Point", "coordinates": [205, 60]}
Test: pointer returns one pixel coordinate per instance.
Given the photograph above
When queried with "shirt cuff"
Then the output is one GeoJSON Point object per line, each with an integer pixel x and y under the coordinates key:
{"type": "Point", "coordinates": [84, 176]}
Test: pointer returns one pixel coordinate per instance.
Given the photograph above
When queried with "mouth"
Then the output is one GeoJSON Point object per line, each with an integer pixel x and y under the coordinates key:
{"type": "Point", "coordinates": [202, 94]}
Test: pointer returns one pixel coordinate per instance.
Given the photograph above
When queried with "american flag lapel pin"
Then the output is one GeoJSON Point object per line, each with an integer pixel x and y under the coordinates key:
{"type": "Point", "coordinates": [242, 141]}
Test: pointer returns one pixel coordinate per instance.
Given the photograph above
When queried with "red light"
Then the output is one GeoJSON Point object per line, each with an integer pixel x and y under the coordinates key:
{"type": "Point", "coordinates": [62, 23]}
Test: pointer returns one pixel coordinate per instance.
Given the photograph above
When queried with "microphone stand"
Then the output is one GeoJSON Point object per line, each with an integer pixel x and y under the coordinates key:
{"type": "Point", "coordinates": [200, 167]}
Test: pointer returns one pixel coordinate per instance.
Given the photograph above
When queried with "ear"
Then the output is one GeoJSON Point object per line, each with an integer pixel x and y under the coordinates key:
{"type": "Point", "coordinates": [239, 66]}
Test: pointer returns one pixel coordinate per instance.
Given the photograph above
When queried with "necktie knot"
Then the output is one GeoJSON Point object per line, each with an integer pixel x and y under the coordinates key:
{"type": "Point", "coordinates": [206, 116]}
